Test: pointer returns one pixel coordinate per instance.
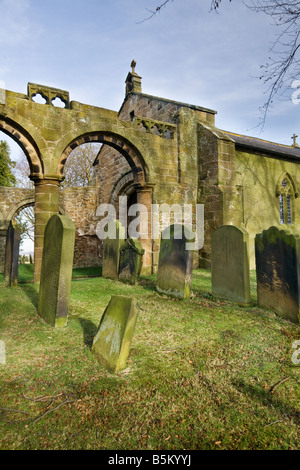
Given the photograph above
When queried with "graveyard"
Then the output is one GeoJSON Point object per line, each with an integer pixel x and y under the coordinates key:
{"type": "Point", "coordinates": [135, 342]}
{"type": "Point", "coordinates": [202, 372]}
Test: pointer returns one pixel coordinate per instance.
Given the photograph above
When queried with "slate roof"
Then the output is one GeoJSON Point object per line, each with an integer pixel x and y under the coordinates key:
{"type": "Point", "coordinates": [254, 143]}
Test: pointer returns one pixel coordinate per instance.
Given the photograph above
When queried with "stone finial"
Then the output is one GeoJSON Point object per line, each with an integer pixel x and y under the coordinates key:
{"type": "Point", "coordinates": [133, 65]}
{"type": "Point", "coordinates": [133, 80]}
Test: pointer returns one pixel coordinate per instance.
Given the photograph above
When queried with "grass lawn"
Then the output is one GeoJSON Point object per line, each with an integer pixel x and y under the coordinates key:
{"type": "Point", "coordinates": [25, 272]}
{"type": "Point", "coordinates": [202, 374]}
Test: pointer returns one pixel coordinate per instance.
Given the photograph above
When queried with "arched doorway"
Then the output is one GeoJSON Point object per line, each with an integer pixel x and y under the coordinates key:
{"type": "Point", "coordinates": [135, 169]}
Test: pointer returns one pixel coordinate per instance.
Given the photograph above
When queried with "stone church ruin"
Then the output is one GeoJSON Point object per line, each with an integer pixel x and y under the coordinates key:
{"type": "Point", "coordinates": [154, 151]}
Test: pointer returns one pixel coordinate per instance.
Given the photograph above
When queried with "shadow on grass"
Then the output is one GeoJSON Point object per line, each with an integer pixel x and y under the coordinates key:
{"type": "Point", "coordinates": [89, 331]}
{"type": "Point", "coordinates": [267, 398]}
{"type": "Point", "coordinates": [32, 293]}
{"type": "Point", "coordinates": [147, 282]}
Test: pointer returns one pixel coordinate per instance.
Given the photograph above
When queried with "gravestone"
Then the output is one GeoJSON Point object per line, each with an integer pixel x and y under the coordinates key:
{"type": "Point", "coordinates": [111, 251]}
{"type": "Point", "coordinates": [277, 254]}
{"type": "Point", "coordinates": [2, 353]}
{"type": "Point", "coordinates": [230, 271]}
{"type": "Point", "coordinates": [131, 260]}
{"type": "Point", "coordinates": [175, 264]}
{"type": "Point", "coordinates": [12, 256]}
{"type": "Point", "coordinates": [112, 342]}
{"type": "Point", "coordinates": [56, 274]}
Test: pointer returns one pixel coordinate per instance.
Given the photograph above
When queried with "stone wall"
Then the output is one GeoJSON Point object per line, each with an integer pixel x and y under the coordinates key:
{"type": "Point", "coordinates": [160, 109]}
{"type": "Point", "coordinates": [258, 177]}
{"type": "Point", "coordinates": [80, 204]}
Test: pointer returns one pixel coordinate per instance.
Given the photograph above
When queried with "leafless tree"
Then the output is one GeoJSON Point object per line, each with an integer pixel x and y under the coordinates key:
{"type": "Point", "coordinates": [283, 67]}
{"type": "Point", "coordinates": [79, 166]}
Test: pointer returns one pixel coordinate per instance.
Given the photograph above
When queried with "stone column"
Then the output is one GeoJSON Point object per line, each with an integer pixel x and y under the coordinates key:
{"type": "Point", "coordinates": [46, 205]}
{"type": "Point", "coordinates": [144, 196]}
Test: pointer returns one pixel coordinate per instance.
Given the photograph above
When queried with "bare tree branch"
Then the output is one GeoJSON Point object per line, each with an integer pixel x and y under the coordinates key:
{"type": "Point", "coordinates": [154, 12]}
{"type": "Point", "coordinates": [284, 62]}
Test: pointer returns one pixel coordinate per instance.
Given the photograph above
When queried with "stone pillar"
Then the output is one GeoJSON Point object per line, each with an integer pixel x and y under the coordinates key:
{"type": "Point", "coordinates": [46, 205]}
{"type": "Point", "coordinates": [144, 197]}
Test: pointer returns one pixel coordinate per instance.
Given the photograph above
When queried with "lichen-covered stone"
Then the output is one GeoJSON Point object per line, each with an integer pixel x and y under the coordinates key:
{"type": "Point", "coordinates": [13, 237]}
{"type": "Point", "coordinates": [277, 255]}
{"type": "Point", "coordinates": [131, 260]}
{"type": "Point", "coordinates": [56, 275]}
{"type": "Point", "coordinates": [112, 342]}
{"type": "Point", "coordinates": [230, 264]}
{"type": "Point", "coordinates": [175, 263]}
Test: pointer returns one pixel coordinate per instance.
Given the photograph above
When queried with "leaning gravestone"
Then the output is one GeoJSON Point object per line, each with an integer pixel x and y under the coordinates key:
{"type": "Point", "coordinates": [175, 264]}
{"type": "Point", "coordinates": [56, 274]}
{"type": "Point", "coordinates": [12, 256]}
{"type": "Point", "coordinates": [111, 251]}
{"type": "Point", "coordinates": [230, 271]}
{"type": "Point", "coordinates": [277, 254]}
{"type": "Point", "coordinates": [131, 260]}
{"type": "Point", "coordinates": [113, 339]}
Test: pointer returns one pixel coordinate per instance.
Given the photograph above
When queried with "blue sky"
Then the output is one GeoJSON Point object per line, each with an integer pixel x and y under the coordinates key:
{"type": "Point", "coordinates": [185, 53]}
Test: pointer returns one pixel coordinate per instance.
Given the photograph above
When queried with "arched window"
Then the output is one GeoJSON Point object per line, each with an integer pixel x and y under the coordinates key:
{"type": "Point", "coordinates": [286, 193]}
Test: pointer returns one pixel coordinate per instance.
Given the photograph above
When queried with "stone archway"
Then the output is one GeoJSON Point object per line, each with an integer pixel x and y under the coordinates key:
{"type": "Point", "coordinates": [22, 198]}
{"type": "Point", "coordinates": [122, 145]}
{"type": "Point", "coordinates": [136, 179]}
{"type": "Point", "coordinates": [27, 144]}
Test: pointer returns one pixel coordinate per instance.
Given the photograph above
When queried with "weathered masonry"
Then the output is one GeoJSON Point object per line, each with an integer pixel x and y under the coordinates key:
{"type": "Point", "coordinates": [154, 151]}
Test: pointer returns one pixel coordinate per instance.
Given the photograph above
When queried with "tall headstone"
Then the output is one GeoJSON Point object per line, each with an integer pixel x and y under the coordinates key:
{"type": "Point", "coordinates": [175, 264]}
{"type": "Point", "coordinates": [111, 251]}
{"type": "Point", "coordinates": [230, 270]}
{"type": "Point", "coordinates": [112, 342]}
{"type": "Point", "coordinates": [131, 260]}
{"type": "Point", "coordinates": [56, 274]}
{"type": "Point", "coordinates": [277, 254]}
{"type": "Point", "coordinates": [12, 256]}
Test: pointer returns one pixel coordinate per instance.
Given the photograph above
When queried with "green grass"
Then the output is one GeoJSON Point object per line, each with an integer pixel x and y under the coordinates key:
{"type": "Point", "coordinates": [200, 374]}
{"type": "Point", "coordinates": [25, 273]}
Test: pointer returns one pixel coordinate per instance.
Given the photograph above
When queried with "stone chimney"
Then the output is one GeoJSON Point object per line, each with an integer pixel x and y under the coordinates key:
{"type": "Point", "coordinates": [133, 80]}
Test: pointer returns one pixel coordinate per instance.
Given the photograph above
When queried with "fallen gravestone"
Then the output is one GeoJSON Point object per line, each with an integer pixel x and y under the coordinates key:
{"type": "Point", "coordinates": [230, 271]}
{"type": "Point", "coordinates": [111, 251]}
{"type": "Point", "coordinates": [56, 274]}
{"type": "Point", "coordinates": [112, 342]}
{"type": "Point", "coordinates": [277, 254]}
{"type": "Point", "coordinates": [175, 263]}
{"type": "Point", "coordinates": [12, 256]}
{"type": "Point", "coordinates": [131, 260]}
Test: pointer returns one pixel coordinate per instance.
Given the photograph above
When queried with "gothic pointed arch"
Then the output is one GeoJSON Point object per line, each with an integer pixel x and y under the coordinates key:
{"type": "Point", "coordinates": [290, 185]}
{"type": "Point", "coordinates": [286, 192]}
